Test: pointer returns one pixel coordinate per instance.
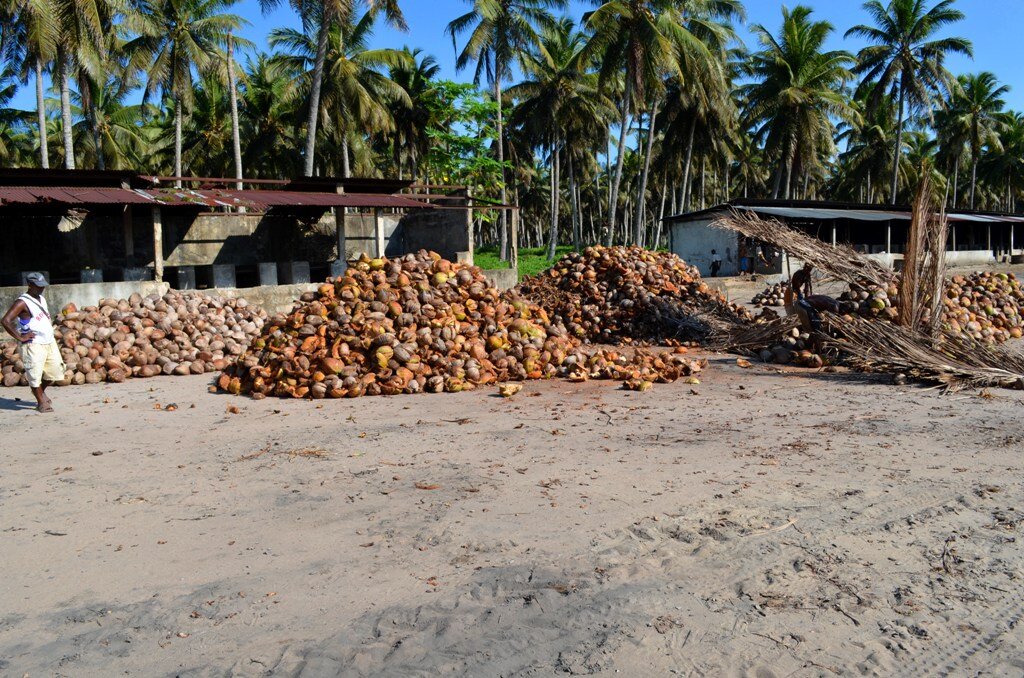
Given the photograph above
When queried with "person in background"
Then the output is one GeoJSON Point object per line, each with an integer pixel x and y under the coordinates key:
{"type": "Point", "coordinates": [795, 299]}
{"type": "Point", "coordinates": [716, 263]}
{"type": "Point", "coordinates": [28, 321]}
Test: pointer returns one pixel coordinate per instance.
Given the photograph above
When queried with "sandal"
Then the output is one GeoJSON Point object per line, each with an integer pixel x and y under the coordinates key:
{"type": "Point", "coordinates": [46, 408]}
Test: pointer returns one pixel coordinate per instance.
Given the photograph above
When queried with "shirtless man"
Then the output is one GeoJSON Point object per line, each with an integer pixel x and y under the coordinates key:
{"type": "Point", "coordinates": [28, 321]}
{"type": "Point", "coordinates": [795, 300]}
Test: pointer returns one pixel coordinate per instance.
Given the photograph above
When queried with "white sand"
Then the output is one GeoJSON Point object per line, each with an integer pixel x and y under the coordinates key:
{"type": "Point", "coordinates": [761, 524]}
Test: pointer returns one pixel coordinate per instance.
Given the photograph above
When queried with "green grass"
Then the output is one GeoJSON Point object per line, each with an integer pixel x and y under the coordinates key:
{"type": "Point", "coordinates": [532, 260]}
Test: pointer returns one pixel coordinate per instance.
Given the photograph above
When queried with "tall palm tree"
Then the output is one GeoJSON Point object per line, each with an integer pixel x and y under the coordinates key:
{"type": "Point", "coordinates": [415, 74]}
{"type": "Point", "coordinates": [796, 93]}
{"type": "Point", "coordinates": [270, 116]}
{"type": "Point", "coordinates": [356, 96]}
{"type": "Point", "coordinates": [978, 104]}
{"type": "Point", "coordinates": [500, 33]}
{"type": "Point", "coordinates": [559, 104]}
{"type": "Point", "coordinates": [906, 59]}
{"type": "Point", "coordinates": [324, 16]}
{"type": "Point", "coordinates": [86, 34]}
{"type": "Point", "coordinates": [31, 41]}
{"type": "Point", "coordinates": [174, 38]}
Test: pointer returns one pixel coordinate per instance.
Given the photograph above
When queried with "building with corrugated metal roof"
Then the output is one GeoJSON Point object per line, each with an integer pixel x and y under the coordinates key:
{"type": "Point", "coordinates": [975, 238]}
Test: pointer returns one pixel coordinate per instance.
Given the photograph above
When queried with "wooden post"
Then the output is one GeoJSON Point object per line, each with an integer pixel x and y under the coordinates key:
{"type": "Point", "coordinates": [339, 233]}
{"type": "Point", "coordinates": [513, 256]}
{"type": "Point", "coordinates": [129, 235]}
{"type": "Point", "coordinates": [378, 233]}
{"type": "Point", "coordinates": [158, 245]}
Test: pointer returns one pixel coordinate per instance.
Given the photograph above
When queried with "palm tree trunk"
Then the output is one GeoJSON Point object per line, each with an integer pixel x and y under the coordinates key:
{"type": "Point", "coordinates": [44, 150]}
{"type": "Point", "coordinates": [687, 164]}
{"type": "Point", "coordinates": [177, 140]}
{"type": "Point", "coordinates": [661, 215]}
{"type": "Point", "coordinates": [789, 174]}
{"type": "Point", "coordinates": [236, 141]}
{"type": "Point", "coordinates": [642, 193]}
{"type": "Point", "coordinates": [974, 178]}
{"type": "Point", "coordinates": [577, 218]}
{"type": "Point", "coordinates": [501, 164]}
{"type": "Point", "coordinates": [556, 203]}
{"type": "Point", "coordinates": [313, 115]}
{"type": "Point", "coordinates": [613, 203]}
{"type": "Point", "coordinates": [97, 138]}
{"type": "Point", "coordinates": [65, 112]}
{"type": "Point", "coordinates": [897, 150]}
{"type": "Point", "coordinates": [956, 180]}
{"type": "Point", "coordinates": [345, 167]}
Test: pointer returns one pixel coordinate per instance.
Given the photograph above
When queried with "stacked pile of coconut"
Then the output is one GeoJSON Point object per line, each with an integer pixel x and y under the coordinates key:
{"type": "Point", "coordinates": [418, 324]}
{"type": "Point", "coordinates": [773, 295]}
{"type": "Point", "coordinates": [627, 295]}
{"type": "Point", "coordinates": [179, 333]}
{"type": "Point", "coordinates": [984, 306]}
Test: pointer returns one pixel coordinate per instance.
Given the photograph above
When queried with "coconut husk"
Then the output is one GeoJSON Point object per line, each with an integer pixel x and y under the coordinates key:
{"type": "Point", "coordinates": [954, 364]}
{"type": "Point", "coordinates": [750, 339]}
{"type": "Point", "coordinates": [841, 261]}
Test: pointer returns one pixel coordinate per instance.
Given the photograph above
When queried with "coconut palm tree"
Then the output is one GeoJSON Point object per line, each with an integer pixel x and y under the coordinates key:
{"type": "Point", "coordinates": [906, 58]}
{"type": "Point", "coordinates": [500, 33]}
{"type": "Point", "coordinates": [978, 103]}
{"type": "Point", "coordinates": [355, 89]}
{"type": "Point", "coordinates": [796, 94]}
{"type": "Point", "coordinates": [415, 74]}
{"type": "Point", "coordinates": [175, 38]}
{"type": "Point", "coordinates": [559, 104]}
{"type": "Point", "coordinates": [270, 121]}
{"type": "Point", "coordinates": [30, 40]}
{"type": "Point", "coordinates": [323, 17]}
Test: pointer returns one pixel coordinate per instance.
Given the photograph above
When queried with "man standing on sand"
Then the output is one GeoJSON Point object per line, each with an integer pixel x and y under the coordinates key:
{"type": "Point", "coordinates": [28, 321]}
{"type": "Point", "coordinates": [716, 263]}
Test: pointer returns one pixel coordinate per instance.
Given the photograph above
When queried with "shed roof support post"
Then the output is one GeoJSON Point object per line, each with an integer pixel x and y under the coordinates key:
{"type": "Point", "coordinates": [1011, 239]}
{"type": "Point", "coordinates": [989, 234]}
{"type": "Point", "coordinates": [158, 245]}
{"type": "Point", "coordinates": [888, 237]}
{"type": "Point", "coordinates": [378, 233]}
{"type": "Point", "coordinates": [339, 233]}
{"type": "Point", "coordinates": [513, 256]}
{"type": "Point", "coordinates": [833, 233]}
{"type": "Point", "coordinates": [952, 229]}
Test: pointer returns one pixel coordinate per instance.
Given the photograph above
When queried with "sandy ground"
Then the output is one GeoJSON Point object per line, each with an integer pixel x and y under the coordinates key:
{"type": "Point", "coordinates": [762, 523]}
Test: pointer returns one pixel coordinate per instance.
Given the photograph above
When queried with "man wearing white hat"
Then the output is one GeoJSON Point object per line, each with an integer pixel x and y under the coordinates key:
{"type": "Point", "coordinates": [28, 321]}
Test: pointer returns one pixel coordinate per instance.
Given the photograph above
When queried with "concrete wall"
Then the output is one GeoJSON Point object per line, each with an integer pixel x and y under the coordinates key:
{"type": "Point", "coordinates": [89, 294]}
{"type": "Point", "coordinates": [970, 258]}
{"type": "Point", "coordinates": [502, 278]}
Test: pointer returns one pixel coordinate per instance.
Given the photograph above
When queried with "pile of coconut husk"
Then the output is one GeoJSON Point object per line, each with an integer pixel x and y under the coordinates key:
{"type": "Point", "coordinates": [420, 324]}
{"type": "Point", "coordinates": [772, 295]}
{"type": "Point", "coordinates": [910, 345]}
{"type": "Point", "coordinates": [179, 333]}
{"type": "Point", "coordinates": [629, 295]}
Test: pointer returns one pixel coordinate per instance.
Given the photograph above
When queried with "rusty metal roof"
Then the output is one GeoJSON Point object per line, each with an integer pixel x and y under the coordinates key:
{"type": "Point", "coordinates": [185, 197]}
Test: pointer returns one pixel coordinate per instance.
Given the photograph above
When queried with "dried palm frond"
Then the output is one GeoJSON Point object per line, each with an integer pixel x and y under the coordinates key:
{"type": "Point", "coordinates": [955, 363]}
{"type": "Point", "coordinates": [924, 265]}
{"type": "Point", "coordinates": [750, 339]}
{"type": "Point", "coordinates": [840, 261]}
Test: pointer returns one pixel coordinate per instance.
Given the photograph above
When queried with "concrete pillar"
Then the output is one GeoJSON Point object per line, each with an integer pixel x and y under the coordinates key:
{"type": "Point", "coordinates": [888, 237]}
{"type": "Point", "coordinates": [952, 229]}
{"type": "Point", "coordinates": [513, 256]}
{"type": "Point", "coordinates": [378, 233]}
{"type": "Point", "coordinates": [833, 234]}
{"type": "Point", "coordinates": [989, 237]}
{"type": "Point", "coordinates": [1011, 239]}
{"type": "Point", "coordinates": [158, 245]}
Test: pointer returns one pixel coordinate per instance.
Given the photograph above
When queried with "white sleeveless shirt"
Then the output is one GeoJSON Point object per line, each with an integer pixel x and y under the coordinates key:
{"type": "Point", "coordinates": [40, 322]}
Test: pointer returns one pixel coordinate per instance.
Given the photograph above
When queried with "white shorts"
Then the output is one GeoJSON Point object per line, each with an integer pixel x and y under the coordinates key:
{"type": "Point", "coordinates": [42, 363]}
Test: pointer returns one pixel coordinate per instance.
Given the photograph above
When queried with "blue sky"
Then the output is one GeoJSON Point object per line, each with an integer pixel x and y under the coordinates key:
{"type": "Point", "coordinates": [993, 25]}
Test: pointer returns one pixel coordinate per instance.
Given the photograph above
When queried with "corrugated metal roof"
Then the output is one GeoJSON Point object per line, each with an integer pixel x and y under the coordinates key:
{"type": "Point", "coordinates": [183, 197]}
{"type": "Point", "coordinates": [832, 212]}
{"type": "Point", "coordinates": [65, 195]}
